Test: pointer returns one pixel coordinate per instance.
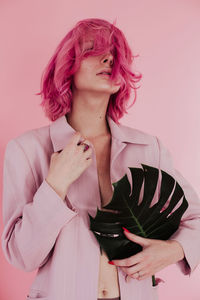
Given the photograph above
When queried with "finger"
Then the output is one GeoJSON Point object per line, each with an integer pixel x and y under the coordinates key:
{"type": "Point", "coordinates": [87, 148]}
{"type": "Point", "coordinates": [127, 278]}
{"type": "Point", "coordinates": [127, 262]}
{"type": "Point", "coordinates": [86, 143]}
{"type": "Point", "coordinates": [89, 160]}
{"type": "Point", "coordinates": [134, 269]}
{"type": "Point", "coordinates": [88, 154]}
{"type": "Point", "coordinates": [141, 274]}
{"type": "Point", "coordinates": [84, 147]}
{"type": "Point", "coordinates": [137, 239]}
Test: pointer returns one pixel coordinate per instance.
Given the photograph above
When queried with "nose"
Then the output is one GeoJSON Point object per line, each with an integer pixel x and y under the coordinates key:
{"type": "Point", "coordinates": [108, 59]}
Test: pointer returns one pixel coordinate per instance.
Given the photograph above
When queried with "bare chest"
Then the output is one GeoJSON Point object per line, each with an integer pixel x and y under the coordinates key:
{"type": "Point", "coordinates": [103, 170]}
{"type": "Point", "coordinates": [108, 277]}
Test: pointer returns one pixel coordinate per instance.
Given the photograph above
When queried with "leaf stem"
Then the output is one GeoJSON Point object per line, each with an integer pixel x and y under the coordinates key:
{"type": "Point", "coordinates": [153, 280]}
{"type": "Point", "coordinates": [135, 219]}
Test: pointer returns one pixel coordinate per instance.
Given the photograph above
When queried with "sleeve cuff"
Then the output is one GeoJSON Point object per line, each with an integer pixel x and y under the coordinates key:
{"type": "Point", "coordinates": [188, 264]}
{"type": "Point", "coordinates": [52, 205]}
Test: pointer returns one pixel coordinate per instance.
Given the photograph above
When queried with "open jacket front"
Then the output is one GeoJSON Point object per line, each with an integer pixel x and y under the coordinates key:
{"type": "Point", "coordinates": [41, 231]}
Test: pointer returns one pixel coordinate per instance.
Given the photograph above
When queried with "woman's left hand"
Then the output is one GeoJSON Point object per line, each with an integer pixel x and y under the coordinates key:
{"type": "Point", "coordinates": [156, 255]}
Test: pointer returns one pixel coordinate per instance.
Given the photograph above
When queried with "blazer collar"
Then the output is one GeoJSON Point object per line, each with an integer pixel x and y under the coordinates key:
{"type": "Point", "coordinates": [61, 131]}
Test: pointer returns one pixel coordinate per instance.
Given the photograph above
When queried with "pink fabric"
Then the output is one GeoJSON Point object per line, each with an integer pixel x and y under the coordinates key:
{"type": "Point", "coordinates": [41, 231]}
{"type": "Point", "coordinates": [117, 298]}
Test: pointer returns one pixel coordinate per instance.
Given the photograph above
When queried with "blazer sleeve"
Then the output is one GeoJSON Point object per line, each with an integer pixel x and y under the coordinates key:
{"type": "Point", "coordinates": [188, 233]}
{"type": "Point", "coordinates": [32, 217]}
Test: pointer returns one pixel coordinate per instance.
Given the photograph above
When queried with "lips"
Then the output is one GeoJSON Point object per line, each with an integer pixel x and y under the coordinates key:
{"type": "Point", "coordinates": [105, 72]}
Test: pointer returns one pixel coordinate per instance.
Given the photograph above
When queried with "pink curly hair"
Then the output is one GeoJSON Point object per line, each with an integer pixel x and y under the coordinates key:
{"type": "Point", "coordinates": [57, 78]}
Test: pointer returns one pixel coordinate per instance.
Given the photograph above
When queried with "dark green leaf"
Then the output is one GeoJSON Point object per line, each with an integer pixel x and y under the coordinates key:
{"type": "Point", "coordinates": [157, 221]}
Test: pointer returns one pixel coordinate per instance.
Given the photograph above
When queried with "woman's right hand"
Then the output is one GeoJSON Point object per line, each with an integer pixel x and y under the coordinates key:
{"type": "Point", "coordinates": [69, 164]}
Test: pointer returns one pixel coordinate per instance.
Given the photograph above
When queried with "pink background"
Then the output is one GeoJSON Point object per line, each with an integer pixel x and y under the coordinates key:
{"type": "Point", "coordinates": [165, 34]}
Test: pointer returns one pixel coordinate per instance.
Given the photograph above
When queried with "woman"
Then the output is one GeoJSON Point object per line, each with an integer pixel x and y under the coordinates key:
{"type": "Point", "coordinates": [57, 174]}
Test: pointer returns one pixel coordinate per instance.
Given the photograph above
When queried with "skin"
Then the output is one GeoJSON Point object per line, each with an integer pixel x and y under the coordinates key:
{"type": "Point", "coordinates": [91, 95]}
{"type": "Point", "coordinates": [155, 256]}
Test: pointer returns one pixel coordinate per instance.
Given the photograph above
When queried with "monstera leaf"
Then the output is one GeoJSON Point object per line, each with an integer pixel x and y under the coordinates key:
{"type": "Point", "coordinates": [135, 212]}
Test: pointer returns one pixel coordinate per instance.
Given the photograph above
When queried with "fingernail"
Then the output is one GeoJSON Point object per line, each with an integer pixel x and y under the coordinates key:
{"type": "Point", "coordinates": [111, 262]}
{"type": "Point", "coordinates": [86, 147]}
{"type": "Point", "coordinates": [125, 229]}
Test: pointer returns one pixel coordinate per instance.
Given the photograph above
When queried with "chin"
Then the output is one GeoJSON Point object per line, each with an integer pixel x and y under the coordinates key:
{"type": "Point", "coordinates": [110, 92]}
{"type": "Point", "coordinates": [109, 89]}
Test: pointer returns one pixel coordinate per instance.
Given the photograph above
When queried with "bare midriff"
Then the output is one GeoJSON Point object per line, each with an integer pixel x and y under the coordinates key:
{"type": "Point", "coordinates": [108, 286]}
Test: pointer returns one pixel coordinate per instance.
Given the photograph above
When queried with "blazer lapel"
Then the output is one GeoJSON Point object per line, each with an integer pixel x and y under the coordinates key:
{"type": "Point", "coordinates": [61, 131]}
{"type": "Point", "coordinates": [60, 134]}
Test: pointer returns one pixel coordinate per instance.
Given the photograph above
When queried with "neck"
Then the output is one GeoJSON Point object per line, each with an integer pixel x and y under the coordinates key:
{"type": "Point", "coordinates": [88, 114]}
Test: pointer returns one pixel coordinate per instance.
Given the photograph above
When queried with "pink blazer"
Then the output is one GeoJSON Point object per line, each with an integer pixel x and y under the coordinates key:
{"type": "Point", "coordinates": [41, 231]}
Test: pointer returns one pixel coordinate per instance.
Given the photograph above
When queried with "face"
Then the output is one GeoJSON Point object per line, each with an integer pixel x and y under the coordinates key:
{"type": "Point", "coordinates": [86, 77]}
